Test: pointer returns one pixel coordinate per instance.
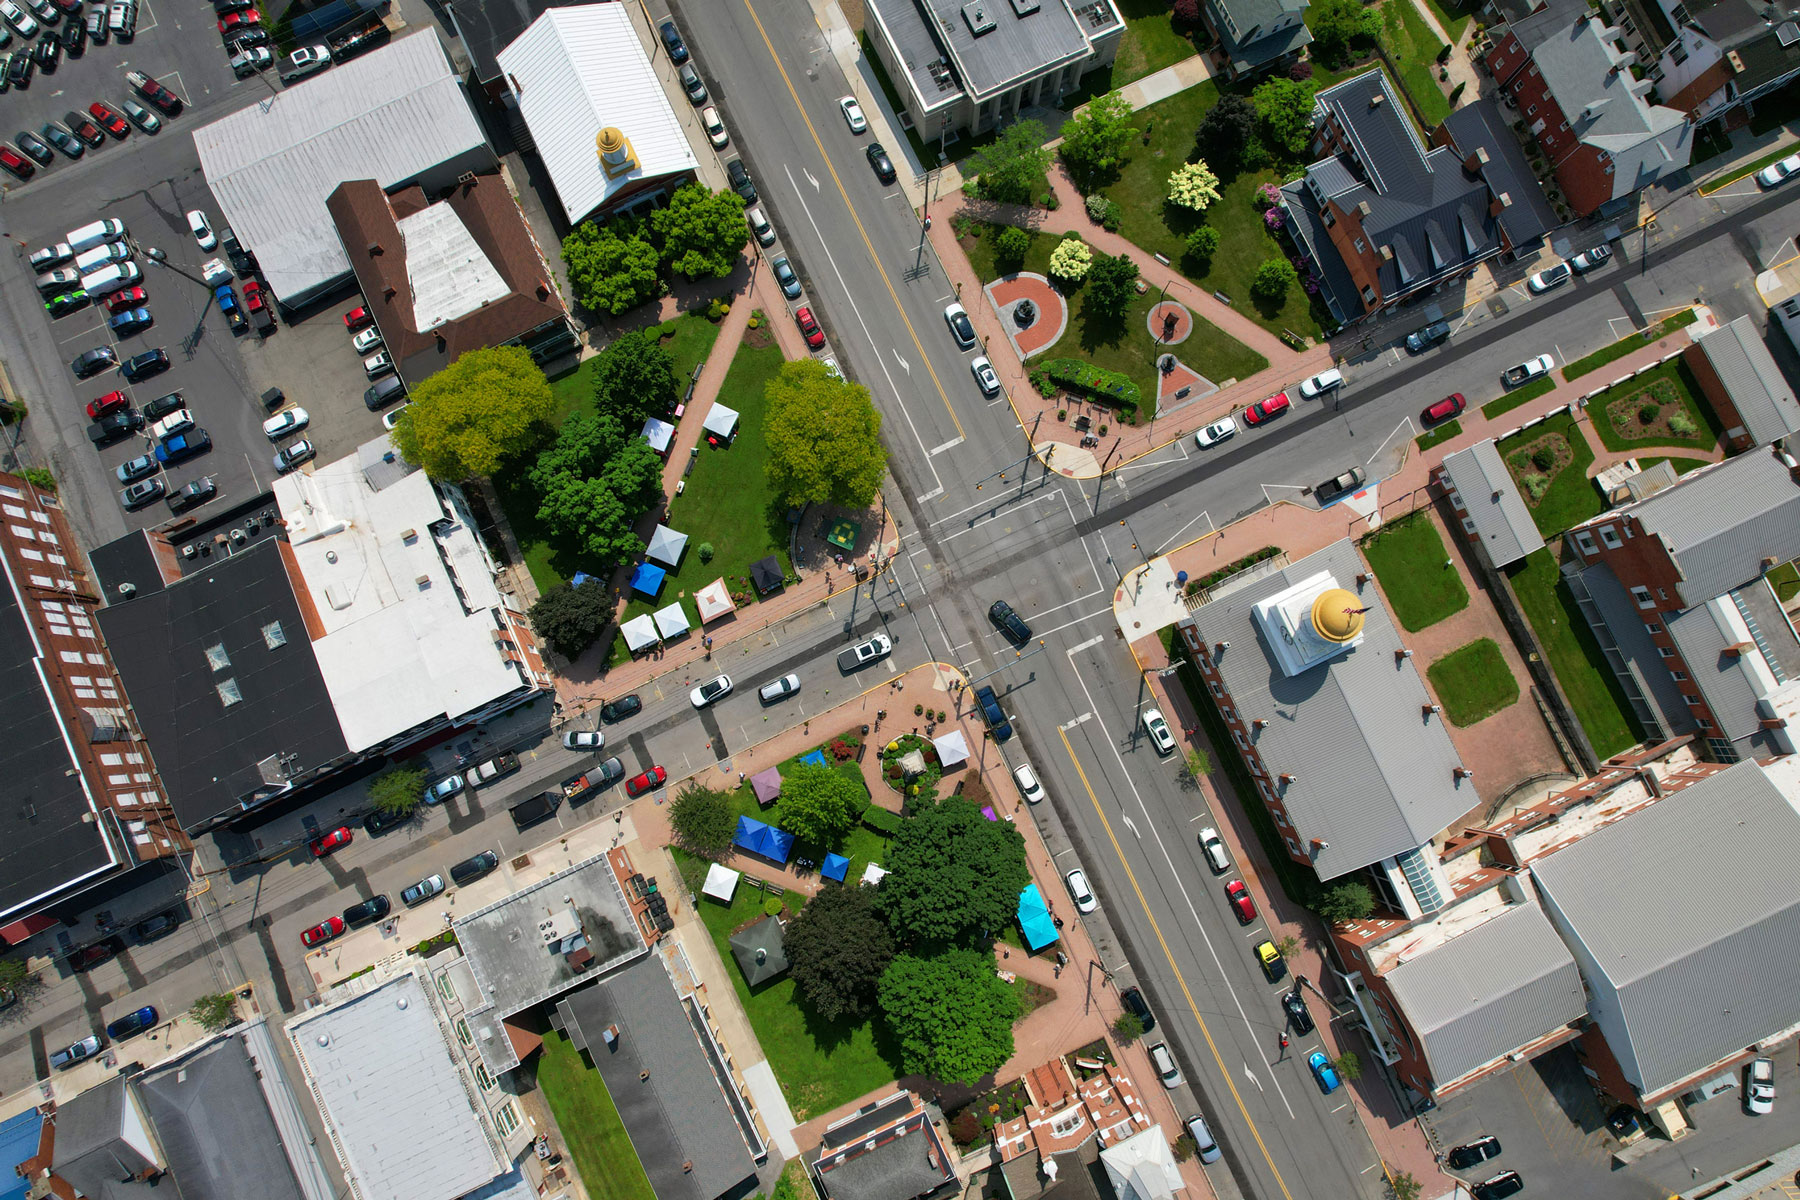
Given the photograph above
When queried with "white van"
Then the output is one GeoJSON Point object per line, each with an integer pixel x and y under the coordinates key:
{"type": "Point", "coordinates": [111, 277]}
{"type": "Point", "coordinates": [99, 256]}
{"type": "Point", "coordinates": [99, 233]}
{"type": "Point", "coordinates": [759, 225]}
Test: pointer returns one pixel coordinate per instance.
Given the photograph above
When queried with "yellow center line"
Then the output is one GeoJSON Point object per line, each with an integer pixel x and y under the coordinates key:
{"type": "Point", "coordinates": [1193, 1007]}
{"type": "Point", "coordinates": [851, 209]}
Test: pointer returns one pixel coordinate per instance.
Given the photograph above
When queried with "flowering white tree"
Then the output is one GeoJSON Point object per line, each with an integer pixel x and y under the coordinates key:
{"type": "Point", "coordinates": [1071, 259]}
{"type": "Point", "coordinates": [1193, 186]}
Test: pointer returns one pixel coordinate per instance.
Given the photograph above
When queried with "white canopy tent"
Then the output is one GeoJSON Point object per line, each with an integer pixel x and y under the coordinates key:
{"type": "Point", "coordinates": [872, 874]}
{"type": "Point", "coordinates": [640, 633]}
{"type": "Point", "coordinates": [666, 546]}
{"type": "Point", "coordinates": [721, 882]}
{"type": "Point", "coordinates": [671, 621]}
{"type": "Point", "coordinates": [952, 748]}
{"type": "Point", "coordinates": [721, 422]}
{"type": "Point", "coordinates": [660, 435]}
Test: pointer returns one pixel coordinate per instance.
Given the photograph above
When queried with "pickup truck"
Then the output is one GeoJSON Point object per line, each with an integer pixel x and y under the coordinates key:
{"type": "Point", "coordinates": [863, 653]}
{"type": "Point", "coordinates": [1338, 485]}
{"type": "Point", "coordinates": [228, 304]}
{"type": "Point", "coordinates": [485, 773]}
{"type": "Point", "coordinates": [1526, 371]}
{"type": "Point", "coordinates": [532, 809]}
{"type": "Point", "coordinates": [183, 445]}
{"type": "Point", "coordinates": [577, 788]}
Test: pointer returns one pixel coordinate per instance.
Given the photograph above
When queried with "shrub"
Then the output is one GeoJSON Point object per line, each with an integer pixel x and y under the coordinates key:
{"type": "Point", "coordinates": [1646, 413]}
{"type": "Point", "coordinates": [1184, 1148]}
{"type": "Point", "coordinates": [1443, 55]}
{"type": "Point", "coordinates": [715, 312]}
{"type": "Point", "coordinates": [965, 1128]}
{"type": "Point", "coordinates": [1071, 260]}
{"type": "Point", "coordinates": [1089, 380]}
{"type": "Point", "coordinates": [705, 551]}
{"type": "Point", "coordinates": [773, 906]}
{"type": "Point", "coordinates": [1456, 93]}
{"type": "Point", "coordinates": [1543, 458]}
{"type": "Point", "coordinates": [1302, 70]}
{"type": "Point", "coordinates": [1186, 14]}
{"type": "Point", "coordinates": [41, 478]}
{"type": "Point", "coordinates": [881, 820]}
{"type": "Point", "coordinates": [1273, 279]}
{"type": "Point", "coordinates": [918, 710]}
{"type": "Point", "coordinates": [1683, 424]}
{"type": "Point", "coordinates": [1010, 248]}
{"type": "Point", "coordinates": [1193, 186]}
{"type": "Point", "coordinates": [1096, 207]}
{"type": "Point", "coordinates": [1203, 243]}
{"type": "Point", "coordinates": [1040, 379]}
{"type": "Point", "coordinates": [1536, 486]}
{"type": "Point", "coordinates": [1062, 414]}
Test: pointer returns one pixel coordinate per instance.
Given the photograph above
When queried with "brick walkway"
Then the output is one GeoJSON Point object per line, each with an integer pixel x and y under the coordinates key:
{"type": "Point", "coordinates": [1052, 318]}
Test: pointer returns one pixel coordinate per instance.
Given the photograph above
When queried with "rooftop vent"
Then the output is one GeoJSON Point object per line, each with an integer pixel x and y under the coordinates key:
{"type": "Point", "coordinates": [1363, 210]}
{"type": "Point", "coordinates": [1025, 8]}
{"type": "Point", "coordinates": [977, 16]}
{"type": "Point", "coordinates": [1787, 33]}
{"type": "Point", "coordinates": [1375, 100]}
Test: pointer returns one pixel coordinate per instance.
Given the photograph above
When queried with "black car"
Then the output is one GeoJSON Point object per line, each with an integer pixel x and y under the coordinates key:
{"type": "Point", "coordinates": [141, 366]}
{"type": "Point", "coordinates": [88, 362]}
{"type": "Point", "coordinates": [1298, 1015]}
{"type": "Point", "coordinates": [618, 710]}
{"type": "Point", "coordinates": [1134, 1003]}
{"type": "Point", "coordinates": [19, 68]}
{"type": "Point", "coordinates": [162, 406]}
{"type": "Point", "coordinates": [878, 159]}
{"type": "Point", "coordinates": [381, 820]}
{"type": "Point", "coordinates": [1506, 1183]}
{"type": "Point", "coordinates": [474, 867]}
{"type": "Point", "coordinates": [66, 303]}
{"type": "Point", "coordinates": [62, 139]}
{"type": "Point", "coordinates": [1473, 1154]}
{"type": "Point", "coordinates": [152, 928]}
{"type": "Point", "coordinates": [1420, 340]}
{"type": "Point", "coordinates": [74, 38]}
{"type": "Point", "coordinates": [671, 40]}
{"type": "Point", "coordinates": [1007, 621]}
{"type": "Point", "coordinates": [113, 426]}
{"type": "Point", "coordinates": [46, 52]}
{"type": "Point", "coordinates": [370, 910]}
{"type": "Point", "coordinates": [533, 809]}
{"type": "Point", "coordinates": [740, 180]}
{"type": "Point", "coordinates": [193, 494]}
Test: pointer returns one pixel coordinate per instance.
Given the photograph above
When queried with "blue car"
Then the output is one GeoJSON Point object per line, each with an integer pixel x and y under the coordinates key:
{"type": "Point", "coordinates": [1323, 1071]}
{"type": "Point", "coordinates": [991, 712]}
{"type": "Point", "coordinates": [132, 1024]}
{"type": "Point", "coordinates": [130, 322]}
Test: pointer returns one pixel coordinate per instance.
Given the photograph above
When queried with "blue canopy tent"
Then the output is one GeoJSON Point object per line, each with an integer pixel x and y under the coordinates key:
{"type": "Point", "coordinates": [1035, 921]}
{"type": "Point", "coordinates": [815, 758]}
{"type": "Point", "coordinates": [647, 579]}
{"type": "Point", "coordinates": [756, 837]}
{"type": "Point", "coordinates": [835, 867]}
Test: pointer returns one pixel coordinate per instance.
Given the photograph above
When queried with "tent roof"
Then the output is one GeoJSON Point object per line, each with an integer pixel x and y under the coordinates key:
{"type": "Point", "coordinates": [766, 574]}
{"type": "Point", "coordinates": [671, 620]}
{"type": "Point", "coordinates": [660, 434]}
{"type": "Point", "coordinates": [721, 420]}
{"type": "Point", "coordinates": [648, 579]}
{"type": "Point", "coordinates": [640, 632]}
{"type": "Point", "coordinates": [952, 748]}
{"type": "Point", "coordinates": [759, 951]}
{"type": "Point", "coordinates": [721, 882]}
{"type": "Point", "coordinates": [714, 601]}
{"type": "Point", "coordinates": [873, 873]}
{"type": "Point", "coordinates": [766, 785]}
{"type": "Point", "coordinates": [1034, 918]}
{"type": "Point", "coordinates": [666, 546]}
{"type": "Point", "coordinates": [835, 867]}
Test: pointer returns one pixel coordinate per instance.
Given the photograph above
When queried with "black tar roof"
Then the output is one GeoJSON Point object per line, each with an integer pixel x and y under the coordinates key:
{"type": "Point", "coordinates": [210, 751]}
{"type": "Point", "coordinates": [490, 26]}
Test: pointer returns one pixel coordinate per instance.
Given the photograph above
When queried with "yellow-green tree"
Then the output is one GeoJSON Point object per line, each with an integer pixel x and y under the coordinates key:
{"type": "Point", "coordinates": [477, 414]}
{"type": "Point", "coordinates": [824, 438]}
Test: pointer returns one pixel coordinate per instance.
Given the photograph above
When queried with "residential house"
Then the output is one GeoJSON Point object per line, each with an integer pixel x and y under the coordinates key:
{"type": "Point", "coordinates": [1711, 59]}
{"type": "Point", "coordinates": [1742, 383]}
{"type": "Point", "coordinates": [1063, 1116]}
{"type": "Point", "coordinates": [1256, 36]}
{"type": "Point", "coordinates": [887, 1151]}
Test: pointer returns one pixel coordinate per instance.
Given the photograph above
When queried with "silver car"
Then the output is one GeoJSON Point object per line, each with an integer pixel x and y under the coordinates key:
{"type": "Point", "coordinates": [422, 891]}
{"type": "Point", "coordinates": [1215, 433]}
{"type": "Point", "coordinates": [778, 689]}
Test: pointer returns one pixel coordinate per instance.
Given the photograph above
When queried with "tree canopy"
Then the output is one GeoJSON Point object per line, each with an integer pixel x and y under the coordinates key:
{"type": "Point", "coordinates": [472, 417]}
{"type": "Point", "coordinates": [1071, 260]}
{"type": "Point", "coordinates": [611, 267]}
{"type": "Point", "coordinates": [1111, 284]}
{"type": "Point", "coordinates": [1286, 106]}
{"type": "Point", "coordinates": [954, 877]}
{"type": "Point", "coordinates": [824, 438]}
{"type": "Point", "coordinates": [1346, 902]}
{"type": "Point", "coordinates": [837, 949]}
{"type": "Point", "coordinates": [1273, 279]}
{"type": "Point", "coordinates": [636, 377]}
{"type": "Point", "coordinates": [1337, 24]}
{"type": "Point", "coordinates": [594, 482]}
{"type": "Point", "coordinates": [568, 619]}
{"type": "Point", "coordinates": [821, 804]}
{"type": "Point", "coordinates": [1097, 141]}
{"type": "Point", "coordinates": [1228, 127]}
{"type": "Point", "coordinates": [1193, 186]}
{"type": "Point", "coordinates": [951, 1014]}
{"type": "Point", "coordinates": [703, 231]}
{"type": "Point", "coordinates": [1011, 168]}
{"type": "Point", "coordinates": [398, 791]}
{"type": "Point", "coordinates": [700, 819]}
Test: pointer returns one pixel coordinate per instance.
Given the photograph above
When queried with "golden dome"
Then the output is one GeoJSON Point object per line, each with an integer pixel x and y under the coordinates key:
{"type": "Point", "coordinates": [610, 141]}
{"type": "Point", "coordinates": [1337, 615]}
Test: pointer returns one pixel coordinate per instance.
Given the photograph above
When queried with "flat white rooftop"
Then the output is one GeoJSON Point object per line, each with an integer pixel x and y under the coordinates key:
{"type": "Point", "coordinates": [449, 274]}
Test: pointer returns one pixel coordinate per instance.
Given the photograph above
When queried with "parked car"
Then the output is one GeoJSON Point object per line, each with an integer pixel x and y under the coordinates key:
{"type": "Point", "coordinates": [202, 230]}
{"type": "Point", "coordinates": [853, 115]}
{"type": "Point", "coordinates": [1133, 1002]}
{"type": "Point", "coordinates": [1206, 1147]}
{"type": "Point", "coordinates": [380, 820]}
{"type": "Point", "coordinates": [133, 469]}
{"type": "Point", "coordinates": [1498, 1187]}
{"type": "Point", "coordinates": [422, 891]}
{"type": "Point", "coordinates": [99, 406]}
{"type": "Point", "coordinates": [134, 1022]}
{"type": "Point", "coordinates": [121, 19]}
{"type": "Point", "coordinates": [383, 392]}
{"type": "Point", "coordinates": [879, 162]}
{"type": "Point", "coordinates": [68, 1056]}
{"type": "Point", "coordinates": [377, 365]}
{"type": "Point", "coordinates": [1778, 173]}
{"type": "Point", "coordinates": [987, 702]}
{"type": "Point", "coordinates": [647, 781]}
{"type": "Point", "coordinates": [324, 931]}
{"type": "Point", "coordinates": [1166, 1070]}
{"type": "Point", "coordinates": [692, 84]}
{"type": "Point", "coordinates": [1267, 410]}
{"type": "Point", "coordinates": [443, 789]}
{"type": "Point", "coordinates": [533, 809]}
{"type": "Point", "coordinates": [152, 929]}
{"type": "Point", "coordinates": [1298, 1015]}
{"type": "Point", "coordinates": [44, 258]}
{"type": "Point", "coordinates": [154, 92]}
{"type": "Point", "coordinates": [142, 117]}
{"type": "Point", "coordinates": [15, 163]}
{"type": "Point", "coordinates": [1450, 406]}
{"type": "Point", "coordinates": [237, 20]}
{"type": "Point", "coordinates": [1472, 1154]}
{"type": "Point", "coordinates": [1274, 967]}
{"type": "Point", "coordinates": [66, 303]}
{"type": "Point", "coordinates": [1213, 850]}
{"type": "Point", "coordinates": [714, 689]}
{"type": "Point", "coordinates": [86, 958]}
{"type": "Point", "coordinates": [141, 493]}
{"type": "Point", "coordinates": [164, 406]}
{"type": "Point", "coordinates": [1549, 277]}
{"type": "Point", "coordinates": [1029, 785]}
{"type": "Point", "coordinates": [671, 40]}
{"type": "Point", "coordinates": [193, 494]}
{"type": "Point", "coordinates": [287, 421]}
{"type": "Point", "coordinates": [113, 426]}
{"type": "Point", "coordinates": [27, 141]}
{"type": "Point", "coordinates": [957, 318]}
{"type": "Point", "coordinates": [714, 126]}
{"type": "Point", "coordinates": [1759, 1087]}
{"type": "Point", "coordinates": [356, 318]}
{"type": "Point", "coordinates": [292, 455]}
{"type": "Point", "coordinates": [1323, 1071]}
{"type": "Point", "coordinates": [142, 366]}
{"type": "Point", "coordinates": [83, 127]}
{"type": "Point", "coordinates": [183, 446]}
{"type": "Point", "coordinates": [809, 328]}
{"type": "Point", "coordinates": [129, 322]}
{"type": "Point", "coordinates": [1588, 259]}
{"type": "Point", "coordinates": [90, 362]}
{"type": "Point", "coordinates": [109, 119]}
{"type": "Point", "coordinates": [1421, 340]}
{"type": "Point", "coordinates": [1080, 892]}
{"type": "Point", "coordinates": [1242, 903]}
{"type": "Point", "coordinates": [778, 689]}
{"type": "Point", "coordinates": [1215, 433]}
{"type": "Point", "coordinates": [125, 298]}
{"type": "Point", "coordinates": [327, 843]}
{"type": "Point", "coordinates": [985, 379]}
{"type": "Point", "coordinates": [367, 912]}
{"type": "Point", "coordinates": [1528, 370]}
{"type": "Point", "coordinates": [308, 60]}
{"type": "Point", "coordinates": [784, 275]}
{"type": "Point", "coordinates": [741, 183]}
{"type": "Point", "coordinates": [474, 867]}
{"type": "Point", "coordinates": [1001, 614]}
{"type": "Point", "coordinates": [62, 139]}
{"type": "Point", "coordinates": [1158, 730]}
{"type": "Point", "coordinates": [1321, 383]}
{"type": "Point", "coordinates": [1339, 485]}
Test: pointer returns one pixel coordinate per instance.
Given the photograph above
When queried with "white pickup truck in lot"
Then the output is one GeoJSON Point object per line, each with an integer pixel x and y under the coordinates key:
{"type": "Point", "coordinates": [1528, 370]}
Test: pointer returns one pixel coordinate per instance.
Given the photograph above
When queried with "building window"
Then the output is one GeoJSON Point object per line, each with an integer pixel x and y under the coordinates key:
{"type": "Point", "coordinates": [1678, 53]}
{"type": "Point", "coordinates": [483, 1078]}
{"type": "Point", "coordinates": [1665, 652]}
{"type": "Point", "coordinates": [1652, 627]}
{"type": "Point", "coordinates": [1293, 846]}
{"type": "Point", "coordinates": [1327, 217]}
{"type": "Point", "coordinates": [1677, 676]}
{"type": "Point", "coordinates": [462, 1032]}
{"type": "Point", "coordinates": [1361, 246]}
{"type": "Point", "coordinates": [1662, 593]}
{"type": "Point", "coordinates": [1584, 541]}
{"type": "Point", "coordinates": [507, 1118]}
{"type": "Point", "coordinates": [1229, 713]}
{"type": "Point", "coordinates": [1693, 701]}
{"type": "Point", "coordinates": [1610, 537]}
{"type": "Point", "coordinates": [1531, 111]}
{"type": "Point", "coordinates": [1468, 525]}
{"type": "Point", "coordinates": [1643, 597]}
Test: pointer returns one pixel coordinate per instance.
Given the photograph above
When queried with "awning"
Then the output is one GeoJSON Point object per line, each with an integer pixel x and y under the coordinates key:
{"type": "Point", "coordinates": [835, 866]}
{"type": "Point", "coordinates": [647, 579]}
{"type": "Point", "coordinates": [666, 546]}
{"type": "Point", "coordinates": [721, 882]}
{"type": "Point", "coordinates": [952, 748]}
{"type": "Point", "coordinates": [671, 621]}
{"type": "Point", "coordinates": [714, 601]}
{"type": "Point", "coordinates": [759, 951]}
{"type": "Point", "coordinates": [640, 633]}
{"type": "Point", "coordinates": [1035, 921]}
{"type": "Point", "coordinates": [814, 758]}
{"type": "Point", "coordinates": [660, 435]}
{"type": "Point", "coordinates": [766, 785]}
{"type": "Point", "coordinates": [766, 574]}
{"type": "Point", "coordinates": [721, 422]}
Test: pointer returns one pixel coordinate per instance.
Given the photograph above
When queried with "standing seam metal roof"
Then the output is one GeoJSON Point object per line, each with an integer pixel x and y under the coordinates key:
{"type": "Point", "coordinates": [1720, 523]}
{"type": "Point", "coordinates": [1703, 972]}
{"type": "Point", "coordinates": [1502, 519]}
{"type": "Point", "coordinates": [1646, 141]}
{"type": "Point", "coordinates": [1755, 384]}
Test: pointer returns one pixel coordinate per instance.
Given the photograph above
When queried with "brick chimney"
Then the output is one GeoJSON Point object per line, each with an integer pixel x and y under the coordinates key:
{"type": "Point", "coordinates": [1477, 160]}
{"type": "Point", "coordinates": [1500, 203]}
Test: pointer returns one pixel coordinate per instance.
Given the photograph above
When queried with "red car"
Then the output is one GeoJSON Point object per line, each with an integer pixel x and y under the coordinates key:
{"type": "Point", "coordinates": [99, 406]}
{"type": "Point", "coordinates": [327, 842]}
{"type": "Point", "coordinates": [323, 932]}
{"type": "Point", "coordinates": [815, 337]}
{"type": "Point", "coordinates": [239, 20]}
{"type": "Point", "coordinates": [1446, 408]}
{"type": "Point", "coordinates": [132, 297]}
{"type": "Point", "coordinates": [356, 318]}
{"type": "Point", "coordinates": [1266, 410]}
{"type": "Point", "coordinates": [153, 91]}
{"type": "Point", "coordinates": [109, 120]}
{"type": "Point", "coordinates": [10, 159]}
{"type": "Point", "coordinates": [1241, 903]}
{"type": "Point", "coordinates": [637, 785]}
{"type": "Point", "coordinates": [255, 300]}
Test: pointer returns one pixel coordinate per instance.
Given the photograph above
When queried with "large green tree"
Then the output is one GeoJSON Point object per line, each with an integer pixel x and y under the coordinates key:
{"type": "Point", "coordinates": [1286, 108]}
{"type": "Point", "coordinates": [1010, 169]}
{"type": "Point", "coordinates": [611, 267]}
{"type": "Point", "coordinates": [837, 949]}
{"type": "Point", "coordinates": [821, 804]}
{"type": "Point", "coordinates": [954, 877]}
{"type": "Point", "coordinates": [1337, 25]}
{"type": "Point", "coordinates": [636, 378]}
{"type": "Point", "coordinates": [594, 482]}
{"type": "Point", "coordinates": [701, 820]}
{"type": "Point", "coordinates": [1097, 141]}
{"type": "Point", "coordinates": [1228, 127]}
{"type": "Point", "coordinates": [568, 619]}
{"type": "Point", "coordinates": [1111, 284]}
{"type": "Point", "coordinates": [480, 412]}
{"type": "Point", "coordinates": [703, 231]}
{"type": "Point", "coordinates": [398, 791]}
{"type": "Point", "coordinates": [951, 1014]}
{"type": "Point", "coordinates": [824, 438]}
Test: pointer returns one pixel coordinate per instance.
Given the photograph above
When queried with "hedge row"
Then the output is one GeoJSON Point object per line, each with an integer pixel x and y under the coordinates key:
{"type": "Point", "coordinates": [1084, 377]}
{"type": "Point", "coordinates": [1229, 569]}
{"type": "Point", "coordinates": [881, 820]}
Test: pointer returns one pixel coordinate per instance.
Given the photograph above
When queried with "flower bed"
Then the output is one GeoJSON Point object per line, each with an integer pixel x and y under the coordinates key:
{"type": "Point", "coordinates": [891, 772]}
{"type": "Point", "coordinates": [1107, 386]}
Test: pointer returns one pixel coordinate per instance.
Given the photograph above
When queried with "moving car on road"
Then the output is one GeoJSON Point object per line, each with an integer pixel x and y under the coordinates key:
{"type": "Point", "coordinates": [1009, 622]}
{"type": "Point", "coordinates": [878, 646]}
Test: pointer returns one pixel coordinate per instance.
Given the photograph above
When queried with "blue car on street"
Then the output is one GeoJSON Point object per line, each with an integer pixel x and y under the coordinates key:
{"type": "Point", "coordinates": [132, 1024]}
{"type": "Point", "coordinates": [1323, 1071]}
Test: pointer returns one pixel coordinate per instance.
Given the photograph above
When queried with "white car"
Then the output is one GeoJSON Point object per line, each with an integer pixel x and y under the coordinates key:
{"type": "Point", "coordinates": [1083, 894]}
{"type": "Point", "coordinates": [1166, 1070]}
{"type": "Point", "coordinates": [957, 318]}
{"type": "Point", "coordinates": [584, 739]}
{"type": "Point", "coordinates": [985, 379]}
{"type": "Point", "coordinates": [1549, 277]}
{"type": "Point", "coordinates": [19, 19]}
{"type": "Point", "coordinates": [366, 341]}
{"type": "Point", "coordinates": [305, 61]}
{"type": "Point", "coordinates": [1215, 433]}
{"type": "Point", "coordinates": [1158, 729]}
{"type": "Point", "coordinates": [215, 272]}
{"type": "Point", "coordinates": [377, 364]}
{"type": "Point", "coordinates": [1776, 174]}
{"type": "Point", "coordinates": [713, 689]}
{"type": "Point", "coordinates": [392, 417]}
{"type": "Point", "coordinates": [1759, 1090]}
{"type": "Point", "coordinates": [202, 230]}
{"type": "Point", "coordinates": [853, 115]}
{"type": "Point", "coordinates": [291, 420]}
{"type": "Point", "coordinates": [1321, 383]}
{"type": "Point", "coordinates": [443, 789]}
{"type": "Point", "coordinates": [1029, 787]}
{"type": "Point", "coordinates": [715, 128]}
{"type": "Point", "coordinates": [778, 689]}
{"type": "Point", "coordinates": [171, 425]}
{"type": "Point", "coordinates": [1214, 850]}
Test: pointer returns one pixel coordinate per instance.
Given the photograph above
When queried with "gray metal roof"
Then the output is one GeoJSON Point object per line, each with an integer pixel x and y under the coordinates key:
{"type": "Point", "coordinates": [400, 1114]}
{"type": "Point", "coordinates": [95, 1149]}
{"type": "Point", "coordinates": [902, 26]}
{"type": "Point", "coordinates": [1606, 108]}
{"type": "Point", "coordinates": [1755, 384]}
{"type": "Point", "coordinates": [1720, 522]}
{"type": "Point", "coordinates": [390, 115]}
{"type": "Point", "coordinates": [1625, 625]}
{"type": "Point", "coordinates": [213, 1119]}
{"type": "Point", "coordinates": [1373, 778]}
{"type": "Point", "coordinates": [889, 1151]}
{"type": "Point", "coordinates": [1682, 977]}
{"type": "Point", "coordinates": [1733, 684]}
{"type": "Point", "coordinates": [1480, 124]}
{"type": "Point", "coordinates": [1467, 1013]}
{"type": "Point", "coordinates": [1017, 47]}
{"type": "Point", "coordinates": [680, 1114]}
{"type": "Point", "coordinates": [1502, 518]}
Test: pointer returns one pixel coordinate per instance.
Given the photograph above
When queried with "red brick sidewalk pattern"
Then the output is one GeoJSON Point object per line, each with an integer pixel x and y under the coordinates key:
{"type": "Point", "coordinates": [1053, 311]}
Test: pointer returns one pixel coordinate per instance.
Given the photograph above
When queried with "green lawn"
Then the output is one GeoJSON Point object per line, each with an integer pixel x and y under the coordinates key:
{"type": "Point", "coordinates": [1749, 168]}
{"type": "Point", "coordinates": [1574, 655]}
{"type": "Point", "coordinates": [1785, 579]}
{"type": "Point", "coordinates": [1442, 433]}
{"type": "Point", "coordinates": [1452, 16]}
{"type": "Point", "coordinates": [577, 1096]}
{"type": "Point", "coordinates": [819, 1064]}
{"type": "Point", "coordinates": [1682, 465]}
{"type": "Point", "coordinates": [727, 501]}
{"type": "Point", "coordinates": [1615, 411]}
{"type": "Point", "coordinates": [1518, 396]}
{"type": "Point", "coordinates": [1243, 241]}
{"type": "Point", "coordinates": [1414, 48]}
{"type": "Point", "coordinates": [1150, 42]}
{"type": "Point", "coordinates": [691, 343]}
{"type": "Point", "coordinates": [1572, 497]}
{"type": "Point", "coordinates": [978, 242]}
{"type": "Point", "coordinates": [1625, 345]}
{"type": "Point", "coordinates": [1409, 560]}
{"type": "Point", "coordinates": [1473, 682]}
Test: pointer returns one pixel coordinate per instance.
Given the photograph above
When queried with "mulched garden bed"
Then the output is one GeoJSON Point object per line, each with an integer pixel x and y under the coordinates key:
{"type": "Point", "coordinates": [1526, 466]}
{"type": "Point", "coordinates": [1661, 403]}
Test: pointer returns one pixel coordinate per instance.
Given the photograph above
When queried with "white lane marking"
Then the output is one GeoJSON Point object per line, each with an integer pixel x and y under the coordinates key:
{"type": "Point", "coordinates": [809, 178]}
{"type": "Point", "coordinates": [1074, 650]}
{"type": "Point", "coordinates": [1209, 528]}
{"type": "Point", "coordinates": [904, 365]}
{"type": "Point", "coordinates": [1104, 612]}
{"type": "Point", "coordinates": [1086, 716]}
{"type": "Point", "coordinates": [933, 494]}
{"type": "Point", "coordinates": [949, 445]}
